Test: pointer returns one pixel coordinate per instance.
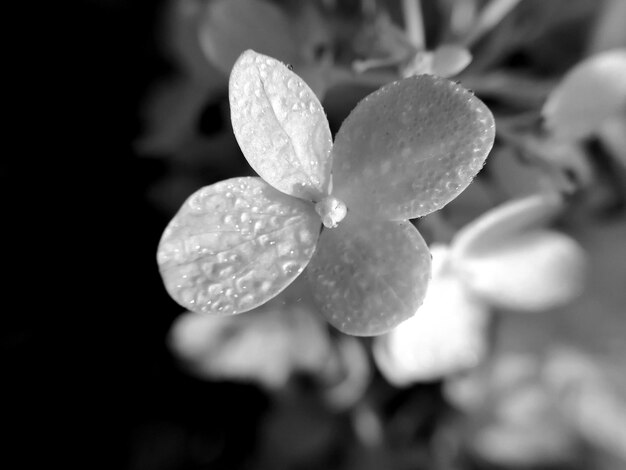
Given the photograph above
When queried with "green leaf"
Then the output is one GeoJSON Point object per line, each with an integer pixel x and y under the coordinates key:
{"type": "Point", "coordinates": [411, 147]}
{"type": "Point", "coordinates": [591, 93]}
{"type": "Point", "coordinates": [280, 126]}
{"type": "Point", "coordinates": [234, 245]}
{"type": "Point", "coordinates": [367, 276]}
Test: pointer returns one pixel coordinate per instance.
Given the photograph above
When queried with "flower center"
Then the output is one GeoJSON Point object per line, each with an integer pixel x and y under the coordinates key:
{"type": "Point", "coordinates": [331, 210]}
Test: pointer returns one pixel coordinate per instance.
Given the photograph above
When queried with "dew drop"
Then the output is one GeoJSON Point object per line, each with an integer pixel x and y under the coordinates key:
{"type": "Point", "coordinates": [246, 300]}
{"type": "Point", "coordinates": [292, 83]}
{"type": "Point", "coordinates": [214, 289]}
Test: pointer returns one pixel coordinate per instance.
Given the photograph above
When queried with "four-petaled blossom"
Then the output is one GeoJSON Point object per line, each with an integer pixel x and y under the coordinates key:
{"type": "Point", "coordinates": [505, 258]}
{"type": "Point", "coordinates": [405, 151]}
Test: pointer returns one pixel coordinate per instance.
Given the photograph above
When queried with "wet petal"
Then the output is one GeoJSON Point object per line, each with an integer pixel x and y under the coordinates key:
{"type": "Point", "coordinates": [411, 147]}
{"type": "Point", "coordinates": [534, 271]}
{"type": "Point", "coordinates": [280, 126]}
{"type": "Point", "coordinates": [368, 276]}
{"type": "Point", "coordinates": [449, 60]}
{"type": "Point", "coordinates": [447, 334]}
{"type": "Point", "coordinates": [505, 221]}
{"type": "Point", "coordinates": [234, 245]}
{"type": "Point", "coordinates": [230, 27]}
{"type": "Point", "coordinates": [590, 93]}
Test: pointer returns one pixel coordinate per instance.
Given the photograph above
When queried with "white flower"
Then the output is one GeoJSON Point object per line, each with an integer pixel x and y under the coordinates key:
{"type": "Point", "coordinates": [266, 347]}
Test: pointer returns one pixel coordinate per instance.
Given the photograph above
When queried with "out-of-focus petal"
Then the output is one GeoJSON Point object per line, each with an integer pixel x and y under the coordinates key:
{"type": "Point", "coordinates": [613, 136]}
{"type": "Point", "coordinates": [447, 334]}
{"type": "Point", "coordinates": [545, 441]}
{"type": "Point", "coordinates": [354, 369]}
{"type": "Point", "coordinates": [411, 147]}
{"type": "Point", "coordinates": [504, 222]}
{"type": "Point", "coordinates": [367, 276]}
{"type": "Point", "coordinates": [477, 390]}
{"type": "Point", "coordinates": [593, 91]}
{"type": "Point", "coordinates": [510, 415]}
{"type": "Point", "coordinates": [236, 244]}
{"type": "Point", "coordinates": [265, 346]}
{"type": "Point", "coordinates": [449, 60]}
{"type": "Point", "coordinates": [590, 393]}
{"type": "Point", "coordinates": [533, 271]}
{"type": "Point", "coordinates": [229, 27]}
{"type": "Point", "coordinates": [280, 126]}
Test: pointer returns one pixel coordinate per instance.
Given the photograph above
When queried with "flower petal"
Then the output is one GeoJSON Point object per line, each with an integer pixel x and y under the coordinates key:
{"type": "Point", "coordinates": [591, 397]}
{"type": "Point", "coordinates": [411, 147]}
{"type": "Point", "coordinates": [591, 92]}
{"type": "Point", "coordinates": [280, 126]}
{"type": "Point", "coordinates": [534, 271]}
{"type": "Point", "coordinates": [265, 346]}
{"type": "Point", "coordinates": [448, 333]}
{"type": "Point", "coordinates": [450, 59]}
{"type": "Point", "coordinates": [229, 27]}
{"type": "Point", "coordinates": [234, 245]}
{"type": "Point", "coordinates": [505, 221]}
{"type": "Point", "coordinates": [368, 276]}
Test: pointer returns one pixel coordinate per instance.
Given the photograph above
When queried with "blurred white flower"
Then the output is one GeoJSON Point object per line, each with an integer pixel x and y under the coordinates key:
{"type": "Point", "coordinates": [511, 414]}
{"type": "Point", "coordinates": [590, 94]}
{"type": "Point", "coordinates": [265, 347]}
{"type": "Point", "coordinates": [591, 100]}
{"type": "Point", "coordinates": [506, 259]}
{"type": "Point", "coordinates": [591, 393]}
{"type": "Point", "coordinates": [534, 407]}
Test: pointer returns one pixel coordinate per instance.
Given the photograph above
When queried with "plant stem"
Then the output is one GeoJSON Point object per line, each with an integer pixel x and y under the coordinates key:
{"type": "Point", "coordinates": [489, 18]}
{"type": "Point", "coordinates": [414, 23]}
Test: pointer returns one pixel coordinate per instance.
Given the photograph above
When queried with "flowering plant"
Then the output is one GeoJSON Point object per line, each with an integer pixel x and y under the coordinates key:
{"type": "Point", "coordinates": [405, 151]}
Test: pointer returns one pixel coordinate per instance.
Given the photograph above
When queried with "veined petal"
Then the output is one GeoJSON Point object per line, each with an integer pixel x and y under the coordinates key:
{"type": "Point", "coordinates": [590, 93]}
{"type": "Point", "coordinates": [532, 271]}
{"type": "Point", "coordinates": [236, 244]}
{"type": "Point", "coordinates": [280, 126]}
{"type": "Point", "coordinates": [505, 221]}
{"type": "Point", "coordinates": [448, 333]}
{"type": "Point", "coordinates": [367, 276]}
{"type": "Point", "coordinates": [411, 147]}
